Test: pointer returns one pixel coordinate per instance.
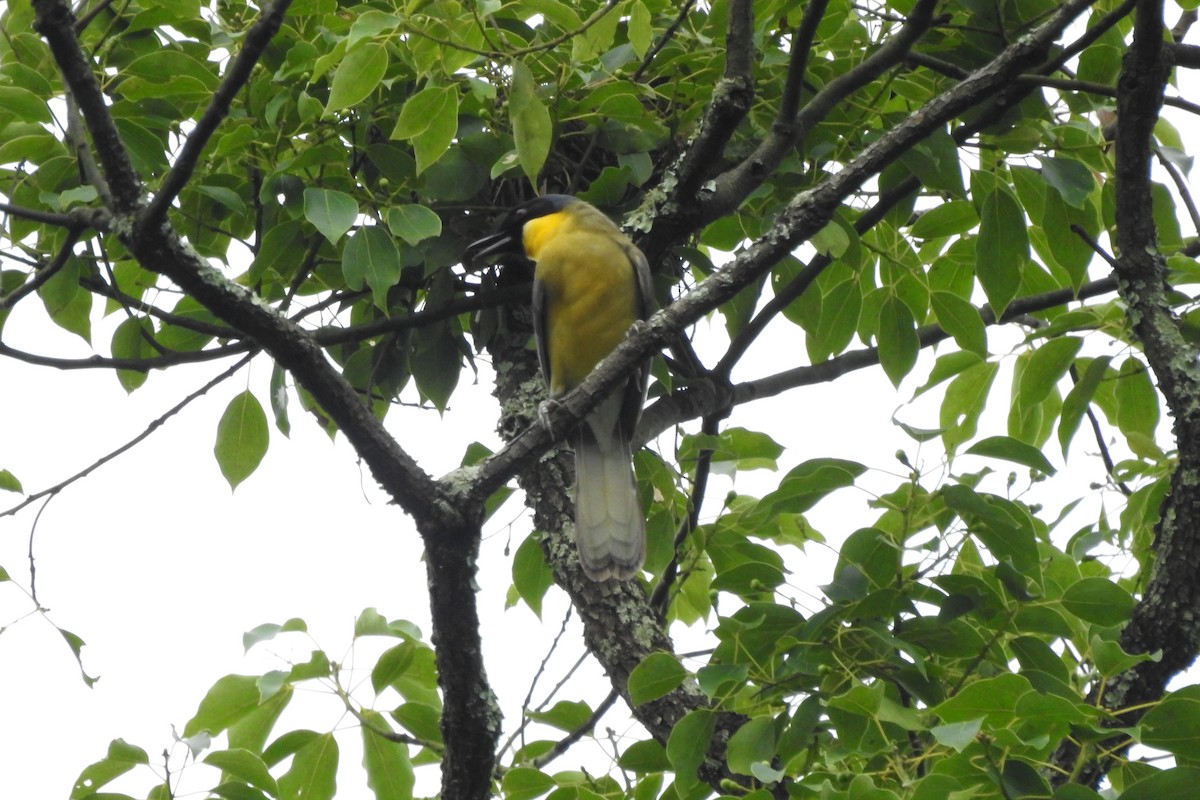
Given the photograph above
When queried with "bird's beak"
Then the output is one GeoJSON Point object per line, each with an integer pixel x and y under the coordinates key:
{"type": "Point", "coordinates": [489, 246]}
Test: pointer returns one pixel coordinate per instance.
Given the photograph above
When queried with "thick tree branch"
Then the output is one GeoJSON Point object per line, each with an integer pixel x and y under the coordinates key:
{"type": "Point", "coordinates": [55, 22]}
{"type": "Point", "coordinates": [800, 219]}
{"type": "Point", "coordinates": [448, 513]}
{"type": "Point", "coordinates": [620, 626]}
{"type": "Point", "coordinates": [1165, 618]}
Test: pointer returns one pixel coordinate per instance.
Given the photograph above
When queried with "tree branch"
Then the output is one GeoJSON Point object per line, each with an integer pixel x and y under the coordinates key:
{"type": "Point", "coordinates": [55, 22]}
{"type": "Point", "coordinates": [697, 401]}
{"type": "Point", "coordinates": [141, 437]}
{"type": "Point", "coordinates": [44, 274]}
{"type": "Point", "coordinates": [1165, 618]}
{"type": "Point", "coordinates": [253, 45]}
{"type": "Point", "coordinates": [733, 187]}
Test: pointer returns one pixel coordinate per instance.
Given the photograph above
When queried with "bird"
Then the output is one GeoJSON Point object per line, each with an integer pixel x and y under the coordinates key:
{"type": "Point", "coordinates": [591, 284]}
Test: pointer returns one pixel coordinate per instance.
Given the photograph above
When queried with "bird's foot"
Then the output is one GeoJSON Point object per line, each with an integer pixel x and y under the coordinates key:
{"type": "Point", "coordinates": [545, 409]}
{"type": "Point", "coordinates": [637, 327]}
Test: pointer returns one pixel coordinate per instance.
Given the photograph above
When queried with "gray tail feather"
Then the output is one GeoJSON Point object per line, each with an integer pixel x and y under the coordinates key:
{"type": "Point", "coordinates": [610, 531]}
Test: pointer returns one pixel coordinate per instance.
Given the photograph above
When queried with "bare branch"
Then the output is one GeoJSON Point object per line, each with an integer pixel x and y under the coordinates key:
{"type": "Point", "coordinates": [133, 364]}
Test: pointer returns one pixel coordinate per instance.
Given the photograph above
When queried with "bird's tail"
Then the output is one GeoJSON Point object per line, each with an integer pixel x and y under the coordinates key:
{"type": "Point", "coordinates": [610, 531]}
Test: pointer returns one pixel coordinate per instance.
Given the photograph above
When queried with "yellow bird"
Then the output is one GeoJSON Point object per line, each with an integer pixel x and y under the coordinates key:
{"type": "Point", "coordinates": [590, 284]}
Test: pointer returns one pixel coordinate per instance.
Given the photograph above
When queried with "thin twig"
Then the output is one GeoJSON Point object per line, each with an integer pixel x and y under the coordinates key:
{"type": "Point", "coordinates": [134, 364]}
{"type": "Point", "coordinates": [257, 38]}
{"type": "Point", "coordinates": [1182, 186]}
{"type": "Point", "coordinates": [43, 275]}
{"type": "Point", "coordinates": [666, 37]}
{"type": "Point", "coordinates": [151, 428]}
{"type": "Point", "coordinates": [659, 598]}
{"type": "Point", "coordinates": [564, 744]}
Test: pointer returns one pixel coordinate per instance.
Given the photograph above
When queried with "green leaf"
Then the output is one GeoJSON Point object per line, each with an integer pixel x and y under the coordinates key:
{"type": "Point", "coordinates": [1075, 404]}
{"type": "Point", "coordinates": [372, 258]}
{"type": "Point", "coordinates": [645, 756]}
{"type": "Point", "coordinates": [961, 320]}
{"type": "Point", "coordinates": [391, 665]}
{"type": "Point", "coordinates": [1002, 248]}
{"type": "Point", "coordinates": [841, 307]}
{"type": "Point", "coordinates": [1046, 367]}
{"type": "Point", "coordinates": [525, 783]}
{"type": "Point", "coordinates": [429, 120]}
{"type": "Point", "coordinates": [244, 765]}
{"type": "Point", "coordinates": [371, 623]}
{"type": "Point", "coordinates": [230, 699]}
{"type": "Point", "coordinates": [370, 24]}
{"type": "Point", "coordinates": [24, 104]}
{"type": "Point", "coordinates": [1169, 784]}
{"type": "Point", "coordinates": [532, 576]}
{"type": "Point", "coordinates": [1099, 601]}
{"type": "Point", "coordinates": [1009, 449]}
{"type": "Point", "coordinates": [1174, 724]}
{"type": "Point", "coordinates": [269, 630]}
{"type": "Point", "coordinates": [436, 363]}
{"type": "Point", "coordinates": [964, 402]}
{"type": "Point", "coordinates": [250, 732]}
{"type": "Point", "coordinates": [1003, 526]}
{"type": "Point", "coordinates": [357, 76]}
{"type": "Point", "coordinates": [991, 699]}
{"type": "Point", "coordinates": [752, 744]}
{"type": "Point", "coordinates": [279, 399]}
{"type": "Point", "coordinates": [640, 32]}
{"type": "Point", "coordinates": [1137, 400]}
{"type": "Point", "coordinates": [132, 340]}
{"type": "Point", "coordinates": [566, 715]}
{"type": "Point", "coordinates": [687, 746]}
{"type": "Point", "coordinates": [185, 339]}
{"type": "Point", "coordinates": [242, 438]}
{"type": "Point", "coordinates": [387, 763]}
{"type": "Point", "coordinates": [957, 735]}
{"type": "Point", "coordinates": [9, 482]}
{"type": "Point", "coordinates": [897, 339]}
{"type": "Point", "coordinates": [121, 758]}
{"type": "Point", "coordinates": [421, 720]}
{"type": "Point", "coordinates": [947, 219]}
{"type": "Point", "coordinates": [331, 212]}
{"type": "Point", "coordinates": [413, 223]}
{"type": "Point", "coordinates": [532, 128]}
{"type": "Point", "coordinates": [657, 675]}
{"type": "Point", "coordinates": [313, 774]}
{"type": "Point", "coordinates": [832, 240]}
{"type": "Point", "coordinates": [68, 304]}
{"type": "Point", "coordinates": [1072, 180]}
{"type": "Point", "coordinates": [806, 484]}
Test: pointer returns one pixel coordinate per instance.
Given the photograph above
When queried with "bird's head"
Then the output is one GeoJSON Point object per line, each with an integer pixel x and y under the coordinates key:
{"type": "Point", "coordinates": [514, 237]}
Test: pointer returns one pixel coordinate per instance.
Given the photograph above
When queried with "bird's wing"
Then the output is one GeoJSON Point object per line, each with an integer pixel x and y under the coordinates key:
{"type": "Point", "coordinates": [539, 328]}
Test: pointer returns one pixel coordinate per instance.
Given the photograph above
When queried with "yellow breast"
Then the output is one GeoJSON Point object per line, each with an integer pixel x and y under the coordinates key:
{"type": "Point", "coordinates": [590, 294]}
